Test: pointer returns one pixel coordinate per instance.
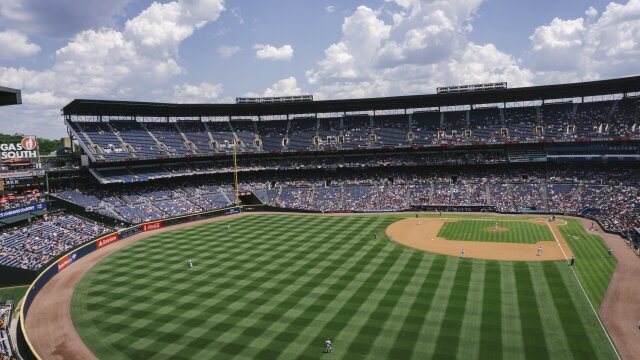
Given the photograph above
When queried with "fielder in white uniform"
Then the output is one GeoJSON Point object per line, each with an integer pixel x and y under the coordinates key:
{"type": "Point", "coordinates": [327, 345]}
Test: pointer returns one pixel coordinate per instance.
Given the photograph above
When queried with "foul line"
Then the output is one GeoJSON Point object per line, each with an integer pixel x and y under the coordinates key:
{"type": "Point", "coordinates": [585, 294]}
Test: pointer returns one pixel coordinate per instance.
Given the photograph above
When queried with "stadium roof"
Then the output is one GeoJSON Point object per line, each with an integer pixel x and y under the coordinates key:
{"type": "Point", "coordinates": [10, 96]}
{"type": "Point", "coordinates": [546, 92]}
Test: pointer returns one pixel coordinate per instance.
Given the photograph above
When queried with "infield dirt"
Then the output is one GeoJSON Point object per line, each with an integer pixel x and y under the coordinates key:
{"type": "Point", "coordinates": [423, 236]}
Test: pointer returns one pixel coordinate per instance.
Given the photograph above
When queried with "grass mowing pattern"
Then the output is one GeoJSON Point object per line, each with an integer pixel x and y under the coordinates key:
{"type": "Point", "coordinates": [481, 230]}
{"type": "Point", "coordinates": [593, 266]}
{"type": "Point", "coordinates": [276, 286]}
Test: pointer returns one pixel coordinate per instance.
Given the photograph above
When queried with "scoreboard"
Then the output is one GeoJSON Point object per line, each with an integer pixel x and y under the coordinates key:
{"type": "Point", "coordinates": [22, 182]}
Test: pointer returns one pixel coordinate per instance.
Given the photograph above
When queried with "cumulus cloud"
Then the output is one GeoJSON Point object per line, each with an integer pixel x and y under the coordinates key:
{"type": "Point", "coordinates": [109, 63]}
{"type": "Point", "coordinates": [591, 12]}
{"type": "Point", "coordinates": [15, 44]}
{"type": "Point", "coordinates": [576, 49]}
{"type": "Point", "coordinates": [45, 98]}
{"type": "Point", "coordinates": [201, 93]}
{"type": "Point", "coordinates": [227, 51]}
{"type": "Point", "coordinates": [564, 38]}
{"type": "Point", "coordinates": [425, 45]}
{"type": "Point", "coordinates": [269, 52]}
{"type": "Point", "coordinates": [284, 87]}
{"type": "Point", "coordinates": [330, 9]}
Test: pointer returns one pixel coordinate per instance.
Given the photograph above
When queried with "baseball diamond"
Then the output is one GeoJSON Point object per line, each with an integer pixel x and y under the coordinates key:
{"type": "Point", "coordinates": [277, 286]}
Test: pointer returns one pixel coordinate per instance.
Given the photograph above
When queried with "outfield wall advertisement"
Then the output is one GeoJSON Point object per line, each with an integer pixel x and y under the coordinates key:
{"type": "Point", "coordinates": [106, 240]}
{"type": "Point", "coordinates": [152, 226]}
{"type": "Point", "coordinates": [66, 261]}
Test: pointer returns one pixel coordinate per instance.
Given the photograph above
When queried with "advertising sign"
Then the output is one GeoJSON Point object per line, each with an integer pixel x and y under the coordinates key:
{"type": "Point", "coordinates": [22, 210]}
{"type": "Point", "coordinates": [234, 210]}
{"type": "Point", "coordinates": [104, 241]}
{"type": "Point", "coordinates": [125, 233]}
{"type": "Point", "coordinates": [152, 226]}
{"type": "Point", "coordinates": [66, 261]}
{"type": "Point", "coordinates": [25, 149]}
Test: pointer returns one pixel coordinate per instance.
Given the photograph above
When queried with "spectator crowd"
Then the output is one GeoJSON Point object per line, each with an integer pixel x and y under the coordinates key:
{"type": "Point", "coordinates": [31, 245]}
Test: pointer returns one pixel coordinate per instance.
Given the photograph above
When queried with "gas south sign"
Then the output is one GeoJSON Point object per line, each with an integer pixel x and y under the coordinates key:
{"type": "Point", "coordinates": [25, 149]}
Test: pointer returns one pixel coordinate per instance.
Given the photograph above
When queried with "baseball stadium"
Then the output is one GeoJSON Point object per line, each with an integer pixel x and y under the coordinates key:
{"type": "Point", "coordinates": [481, 221]}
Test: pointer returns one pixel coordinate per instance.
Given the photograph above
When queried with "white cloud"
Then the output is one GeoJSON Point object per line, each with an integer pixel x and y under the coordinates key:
{"type": "Point", "coordinates": [201, 93]}
{"type": "Point", "coordinates": [591, 12]}
{"type": "Point", "coordinates": [110, 63]}
{"type": "Point", "coordinates": [45, 99]}
{"type": "Point", "coordinates": [330, 9]}
{"type": "Point", "coordinates": [564, 38]}
{"type": "Point", "coordinates": [573, 50]}
{"type": "Point", "coordinates": [15, 44]}
{"type": "Point", "coordinates": [268, 52]}
{"type": "Point", "coordinates": [226, 51]}
{"type": "Point", "coordinates": [284, 87]}
{"type": "Point", "coordinates": [426, 45]}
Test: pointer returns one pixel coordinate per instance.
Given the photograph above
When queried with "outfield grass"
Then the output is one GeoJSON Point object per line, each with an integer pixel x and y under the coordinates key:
{"type": "Point", "coordinates": [276, 286]}
{"type": "Point", "coordinates": [13, 293]}
{"type": "Point", "coordinates": [594, 267]}
{"type": "Point", "coordinates": [482, 230]}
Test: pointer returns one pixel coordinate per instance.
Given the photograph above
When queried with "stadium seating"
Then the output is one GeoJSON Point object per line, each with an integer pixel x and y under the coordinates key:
{"type": "Point", "coordinates": [118, 140]}
{"type": "Point", "coordinates": [32, 245]}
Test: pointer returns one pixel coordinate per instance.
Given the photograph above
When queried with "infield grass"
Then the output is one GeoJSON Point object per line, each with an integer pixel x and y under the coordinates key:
{"type": "Point", "coordinates": [275, 286]}
{"type": "Point", "coordinates": [483, 230]}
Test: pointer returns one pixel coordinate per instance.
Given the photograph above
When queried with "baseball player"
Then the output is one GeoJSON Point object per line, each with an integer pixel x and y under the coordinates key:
{"type": "Point", "coordinates": [190, 263]}
{"type": "Point", "coordinates": [375, 235]}
{"type": "Point", "coordinates": [229, 227]}
{"type": "Point", "coordinates": [610, 252]}
{"type": "Point", "coordinates": [539, 250]}
{"type": "Point", "coordinates": [496, 226]}
{"type": "Point", "coordinates": [572, 261]}
{"type": "Point", "coordinates": [327, 345]}
{"type": "Point", "coordinates": [462, 253]}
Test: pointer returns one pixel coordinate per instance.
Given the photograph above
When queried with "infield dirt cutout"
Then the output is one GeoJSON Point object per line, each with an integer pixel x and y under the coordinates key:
{"type": "Point", "coordinates": [423, 236]}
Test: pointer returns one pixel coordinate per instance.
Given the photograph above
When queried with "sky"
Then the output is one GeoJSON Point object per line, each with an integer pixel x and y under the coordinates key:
{"type": "Point", "coordinates": [213, 51]}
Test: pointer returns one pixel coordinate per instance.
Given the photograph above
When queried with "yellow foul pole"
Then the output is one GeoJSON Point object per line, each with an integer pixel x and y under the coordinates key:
{"type": "Point", "coordinates": [235, 173]}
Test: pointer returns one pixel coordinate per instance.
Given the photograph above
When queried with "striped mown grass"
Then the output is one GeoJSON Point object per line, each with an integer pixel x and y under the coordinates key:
{"type": "Point", "coordinates": [482, 230]}
{"type": "Point", "coordinates": [594, 267]}
{"type": "Point", "coordinates": [275, 286]}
